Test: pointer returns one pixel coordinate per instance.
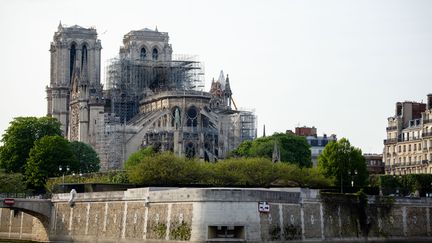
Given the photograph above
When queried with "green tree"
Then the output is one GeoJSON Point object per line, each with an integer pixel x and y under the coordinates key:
{"type": "Point", "coordinates": [20, 137]}
{"type": "Point", "coordinates": [343, 163]}
{"type": "Point", "coordinates": [293, 149]}
{"type": "Point", "coordinates": [244, 172]}
{"type": "Point", "coordinates": [87, 158]}
{"type": "Point", "coordinates": [243, 150]}
{"type": "Point", "coordinates": [46, 156]}
{"type": "Point", "coordinates": [12, 182]}
{"type": "Point", "coordinates": [136, 157]}
{"type": "Point", "coordinates": [163, 169]}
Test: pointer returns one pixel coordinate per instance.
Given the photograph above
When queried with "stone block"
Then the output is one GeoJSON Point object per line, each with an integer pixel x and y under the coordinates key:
{"type": "Point", "coordinates": [312, 220]}
{"type": "Point", "coordinates": [5, 220]}
{"type": "Point", "coordinates": [79, 218]}
{"type": "Point", "coordinates": [392, 225]}
{"type": "Point", "coordinates": [135, 220]}
{"type": "Point", "coordinates": [271, 224]}
{"type": "Point", "coordinates": [180, 222]}
{"type": "Point", "coordinates": [331, 221]}
{"type": "Point", "coordinates": [96, 219]}
{"type": "Point", "coordinates": [114, 220]}
{"type": "Point", "coordinates": [416, 221]}
{"type": "Point", "coordinates": [62, 214]}
{"type": "Point", "coordinates": [157, 221]}
{"type": "Point", "coordinates": [292, 229]}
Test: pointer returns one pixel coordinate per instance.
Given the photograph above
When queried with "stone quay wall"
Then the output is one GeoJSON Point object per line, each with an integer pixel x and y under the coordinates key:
{"type": "Point", "coordinates": [218, 214]}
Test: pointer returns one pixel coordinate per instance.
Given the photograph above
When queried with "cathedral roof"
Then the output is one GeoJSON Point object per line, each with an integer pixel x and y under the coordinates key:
{"type": "Point", "coordinates": [147, 29]}
{"type": "Point", "coordinates": [76, 27]}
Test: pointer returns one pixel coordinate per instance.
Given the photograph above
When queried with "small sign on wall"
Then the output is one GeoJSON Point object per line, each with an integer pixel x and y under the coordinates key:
{"type": "Point", "coordinates": [263, 207]}
{"type": "Point", "coordinates": [9, 201]}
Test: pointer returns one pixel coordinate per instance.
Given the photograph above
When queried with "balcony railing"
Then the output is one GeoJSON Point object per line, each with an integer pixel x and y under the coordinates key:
{"type": "Point", "coordinates": [391, 128]}
{"type": "Point", "coordinates": [390, 141]}
{"type": "Point", "coordinates": [427, 121]}
{"type": "Point", "coordinates": [412, 139]}
{"type": "Point", "coordinates": [427, 134]}
{"type": "Point", "coordinates": [410, 164]}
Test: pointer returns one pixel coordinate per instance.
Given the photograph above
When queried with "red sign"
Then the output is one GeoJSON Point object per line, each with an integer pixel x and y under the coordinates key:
{"type": "Point", "coordinates": [9, 201]}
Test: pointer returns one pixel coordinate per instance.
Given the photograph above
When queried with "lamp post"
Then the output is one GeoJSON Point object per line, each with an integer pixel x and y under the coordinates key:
{"type": "Point", "coordinates": [80, 175]}
{"type": "Point", "coordinates": [63, 174]}
{"type": "Point", "coordinates": [352, 175]}
{"type": "Point", "coordinates": [428, 194]}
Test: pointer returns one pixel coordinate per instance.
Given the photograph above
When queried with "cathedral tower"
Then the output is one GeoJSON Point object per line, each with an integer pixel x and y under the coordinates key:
{"type": "Point", "coordinates": [146, 45]}
{"type": "Point", "coordinates": [75, 92]}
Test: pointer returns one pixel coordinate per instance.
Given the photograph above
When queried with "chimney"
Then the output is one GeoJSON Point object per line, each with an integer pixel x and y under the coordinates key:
{"type": "Point", "coordinates": [398, 109]}
{"type": "Point", "coordinates": [429, 101]}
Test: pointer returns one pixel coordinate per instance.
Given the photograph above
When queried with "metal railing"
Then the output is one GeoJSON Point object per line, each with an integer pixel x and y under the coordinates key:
{"type": "Point", "coordinates": [390, 141]}
{"type": "Point", "coordinates": [427, 134]}
{"type": "Point", "coordinates": [26, 195]}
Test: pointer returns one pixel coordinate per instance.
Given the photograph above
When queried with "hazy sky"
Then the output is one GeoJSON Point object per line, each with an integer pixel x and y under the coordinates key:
{"type": "Point", "coordinates": [337, 65]}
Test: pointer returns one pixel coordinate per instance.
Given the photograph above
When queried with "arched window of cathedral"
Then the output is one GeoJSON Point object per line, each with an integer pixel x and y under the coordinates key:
{"type": "Point", "coordinates": [207, 145]}
{"type": "Point", "coordinates": [155, 54]}
{"type": "Point", "coordinates": [72, 54]}
{"type": "Point", "coordinates": [164, 121]}
{"type": "Point", "coordinates": [143, 54]}
{"type": "Point", "coordinates": [84, 60]}
{"type": "Point", "coordinates": [83, 57]}
{"type": "Point", "coordinates": [190, 150]}
{"type": "Point", "coordinates": [205, 121]}
{"type": "Point", "coordinates": [192, 120]}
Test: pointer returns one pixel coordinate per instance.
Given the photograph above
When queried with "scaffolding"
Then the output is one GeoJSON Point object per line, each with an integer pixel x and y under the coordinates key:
{"type": "Point", "coordinates": [128, 81]}
{"type": "Point", "coordinates": [248, 125]}
{"type": "Point", "coordinates": [110, 142]}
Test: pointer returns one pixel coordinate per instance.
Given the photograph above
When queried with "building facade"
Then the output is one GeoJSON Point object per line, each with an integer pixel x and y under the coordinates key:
{"type": "Point", "coordinates": [316, 143]}
{"type": "Point", "coordinates": [374, 163]}
{"type": "Point", "coordinates": [151, 98]}
{"type": "Point", "coordinates": [408, 147]}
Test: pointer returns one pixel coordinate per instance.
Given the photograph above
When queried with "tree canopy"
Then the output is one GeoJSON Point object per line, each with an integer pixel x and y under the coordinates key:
{"type": "Point", "coordinates": [343, 163]}
{"type": "Point", "coordinates": [20, 137]}
{"type": "Point", "coordinates": [88, 160]}
{"type": "Point", "coordinates": [162, 169]}
{"type": "Point", "coordinates": [136, 157]}
{"type": "Point", "coordinates": [12, 182]}
{"type": "Point", "coordinates": [293, 149]}
{"type": "Point", "coordinates": [47, 155]}
{"type": "Point", "coordinates": [166, 169]}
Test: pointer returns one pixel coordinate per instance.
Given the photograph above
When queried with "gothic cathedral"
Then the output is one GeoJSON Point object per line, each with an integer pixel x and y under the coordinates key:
{"type": "Point", "coordinates": [150, 98]}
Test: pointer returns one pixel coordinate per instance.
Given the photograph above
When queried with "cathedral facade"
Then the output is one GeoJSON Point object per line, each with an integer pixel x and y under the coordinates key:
{"type": "Point", "coordinates": [150, 98]}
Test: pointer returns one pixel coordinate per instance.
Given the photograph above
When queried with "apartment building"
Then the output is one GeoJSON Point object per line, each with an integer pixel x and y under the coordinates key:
{"type": "Point", "coordinates": [408, 147]}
